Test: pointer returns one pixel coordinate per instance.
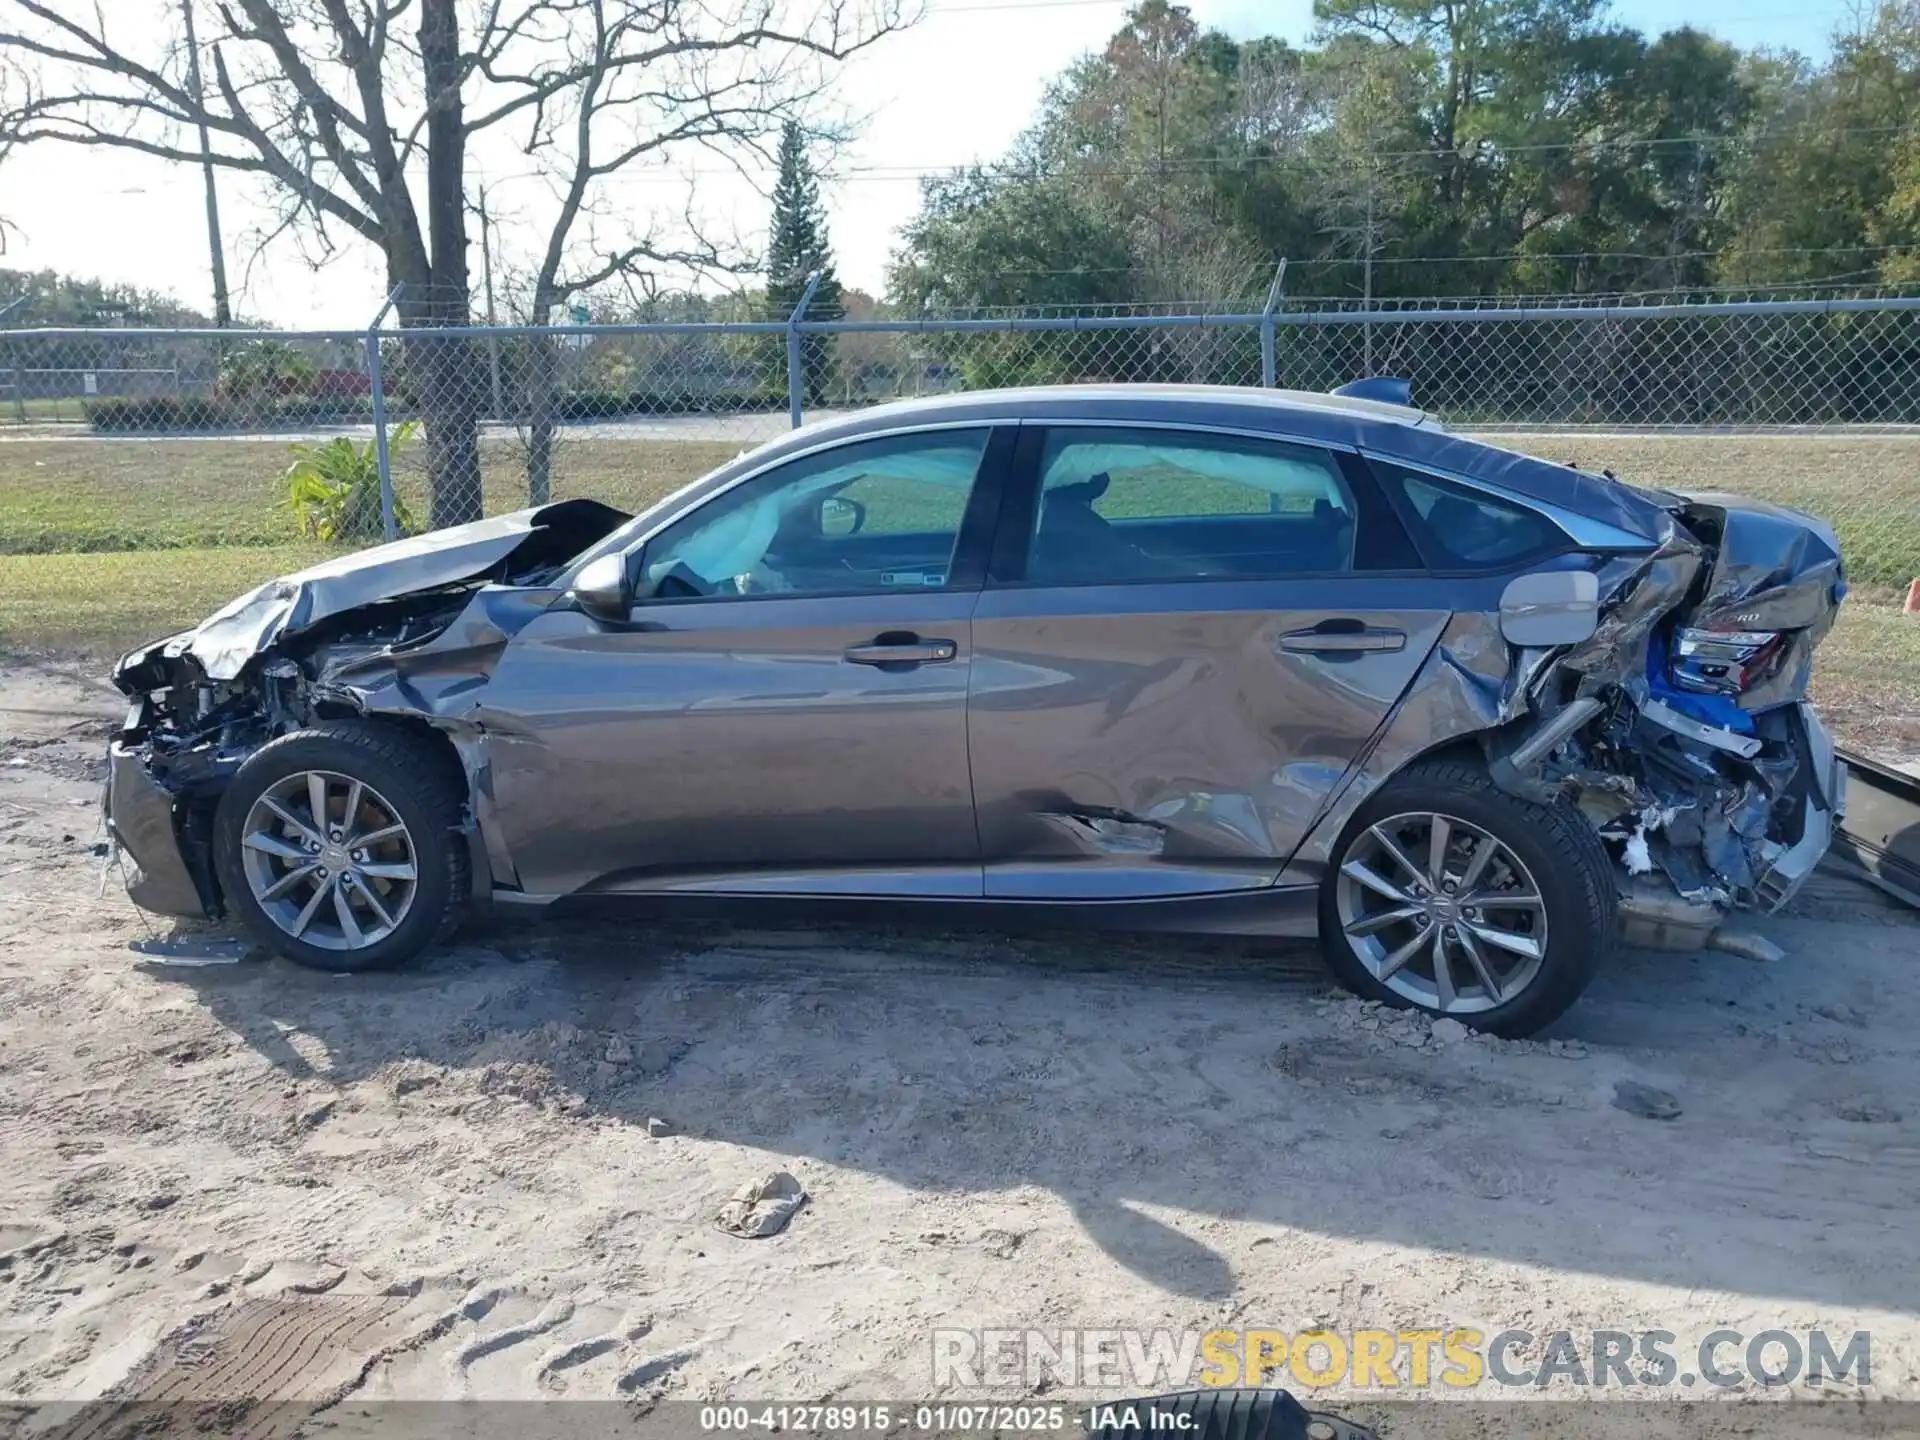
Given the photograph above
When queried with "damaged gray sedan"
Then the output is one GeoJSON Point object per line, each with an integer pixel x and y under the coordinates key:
{"type": "Point", "coordinates": [1204, 660]}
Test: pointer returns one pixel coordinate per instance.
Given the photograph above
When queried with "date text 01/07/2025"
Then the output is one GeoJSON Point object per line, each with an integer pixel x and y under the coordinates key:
{"type": "Point", "coordinates": [930, 1419]}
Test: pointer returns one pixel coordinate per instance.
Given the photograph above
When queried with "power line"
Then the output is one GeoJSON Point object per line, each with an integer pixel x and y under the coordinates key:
{"type": "Point", "coordinates": [1430, 152]}
{"type": "Point", "coordinates": [1745, 17]}
{"type": "Point", "coordinates": [1202, 164]}
{"type": "Point", "coordinates": [1508, 257]}
{"type": "Point", "coordinates": [1473, 300]}
{"type": "Point", "coordinates": [1514, 256]}
{"type": "Point", "coordinates": [1017, 5]}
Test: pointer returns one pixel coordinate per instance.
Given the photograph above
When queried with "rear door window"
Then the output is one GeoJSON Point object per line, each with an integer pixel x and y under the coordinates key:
{"type": "Point", "coordinates": [1460, 528]}
{"type": "Point", "coordinates": [1134, 504]}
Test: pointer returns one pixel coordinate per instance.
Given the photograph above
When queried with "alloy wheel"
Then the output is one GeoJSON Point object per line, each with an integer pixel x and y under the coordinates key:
{"type": "Point", "coordinates": [1442, 912]}
{"type": "Point", "coordinates": [329, 860]}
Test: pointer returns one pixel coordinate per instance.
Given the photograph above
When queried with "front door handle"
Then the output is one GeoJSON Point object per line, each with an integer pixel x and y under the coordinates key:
{"type": "Point", "coordinates": [902, 650]}
{"type": "Point", "coordinates": [1342, 641]}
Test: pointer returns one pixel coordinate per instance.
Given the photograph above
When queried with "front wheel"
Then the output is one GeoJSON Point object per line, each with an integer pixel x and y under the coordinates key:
{"type": "Point", "coordinates": [339, 845]}
{"type": "Point", "coordinates": [1449, 896]}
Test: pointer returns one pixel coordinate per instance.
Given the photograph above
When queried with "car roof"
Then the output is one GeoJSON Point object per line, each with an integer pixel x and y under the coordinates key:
{"type": "Point", "coordinates": [1390, 432]}
{"type": "Point", "coordinates": [1274, 407]}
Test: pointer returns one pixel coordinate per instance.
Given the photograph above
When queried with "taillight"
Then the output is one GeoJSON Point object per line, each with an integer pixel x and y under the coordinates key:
{"type": "Point", "coordinates": [1723, 662]}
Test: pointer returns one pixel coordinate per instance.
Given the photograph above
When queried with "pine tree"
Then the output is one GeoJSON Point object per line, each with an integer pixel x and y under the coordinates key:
{"type": "Point", "coordinates": [798, 248]}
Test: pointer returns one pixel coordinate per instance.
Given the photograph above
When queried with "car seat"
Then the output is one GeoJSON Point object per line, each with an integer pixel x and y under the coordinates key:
{"type": "Point", "coordinates": [1333, 534]}
{"type": "Point", "coordinates": [1075, 543]}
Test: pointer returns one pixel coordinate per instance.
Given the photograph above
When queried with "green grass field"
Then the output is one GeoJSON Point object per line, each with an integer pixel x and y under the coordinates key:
{"type": "Point", "coordinates": [1866, 487]}
{"type": "Point", "coordinates": [100, 603]}
{"type": "Point", "coordinates": [104, 543]}
{"type": "Point", "coordinates": [43, 410]}
{"type": "Point", "coordinates": [66, 496]}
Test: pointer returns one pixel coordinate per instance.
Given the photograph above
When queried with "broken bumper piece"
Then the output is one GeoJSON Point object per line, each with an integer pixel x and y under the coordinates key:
{"type": "Point", "coordinates": [140, 818]}
{"type": "Point", "coordinates": [1710, 851]}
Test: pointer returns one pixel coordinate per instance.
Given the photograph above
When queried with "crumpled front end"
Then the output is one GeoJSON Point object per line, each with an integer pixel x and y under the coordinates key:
{"type": "Point", "coordinates": [140, 818]}
{"type": "Point", "coordinates": [189, 733]}
{"type": "Point", "coordinates": [405, 630]}
{"type": "Point", "coordinates": [1681, 727]}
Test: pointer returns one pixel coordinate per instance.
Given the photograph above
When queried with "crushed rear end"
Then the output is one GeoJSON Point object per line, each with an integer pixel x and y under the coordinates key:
{"type": "Point", "coordinates": [1681, 726]}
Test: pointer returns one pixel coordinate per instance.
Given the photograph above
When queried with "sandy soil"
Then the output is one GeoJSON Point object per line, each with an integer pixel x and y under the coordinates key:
{"type": "Point", "coordinates": [444, 1181]}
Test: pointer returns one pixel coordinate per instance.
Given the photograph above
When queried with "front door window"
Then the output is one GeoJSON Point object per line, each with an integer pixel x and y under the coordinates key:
{"type": "Point", "coordinates": [872, 517]}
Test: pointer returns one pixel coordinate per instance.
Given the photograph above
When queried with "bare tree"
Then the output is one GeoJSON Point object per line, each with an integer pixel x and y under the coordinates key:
{"type": "Point", "coordinates": [617, 115]}
{"type": "Point", "coordinates": [16, 89]}
{"type": "Point", "coordinates": [360, 116]}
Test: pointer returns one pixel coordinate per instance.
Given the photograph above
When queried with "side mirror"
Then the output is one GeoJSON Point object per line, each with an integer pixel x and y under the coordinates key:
{"type": "Point", "coordinates": [602, 590]}
{"type": "Point", "coordinates": [1550, 607]}
{"type": "Point", "coordinates": [838, 517]}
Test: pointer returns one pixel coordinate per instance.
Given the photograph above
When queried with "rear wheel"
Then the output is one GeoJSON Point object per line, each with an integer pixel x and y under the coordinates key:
{"type": "Point", "coordinates": [339, 846]}
{"type": "Point", "coordinates": [1449, 896]}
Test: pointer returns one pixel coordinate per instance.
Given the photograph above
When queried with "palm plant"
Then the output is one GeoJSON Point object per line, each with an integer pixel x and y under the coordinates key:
{"type": "Point", "coordinates": [334, 488]}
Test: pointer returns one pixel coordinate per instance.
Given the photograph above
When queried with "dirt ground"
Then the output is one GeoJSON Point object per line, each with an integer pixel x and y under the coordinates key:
{"type": "Point", "coordinates": [447, 1179]}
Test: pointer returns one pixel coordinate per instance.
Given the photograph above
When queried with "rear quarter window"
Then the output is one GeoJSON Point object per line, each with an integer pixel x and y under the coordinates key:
{"type": "Point", "coordinates": [1460, 528]}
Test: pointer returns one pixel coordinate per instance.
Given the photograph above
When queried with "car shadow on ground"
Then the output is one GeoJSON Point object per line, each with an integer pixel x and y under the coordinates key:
{"type": "Point", "coordinates": [1161, 1086]}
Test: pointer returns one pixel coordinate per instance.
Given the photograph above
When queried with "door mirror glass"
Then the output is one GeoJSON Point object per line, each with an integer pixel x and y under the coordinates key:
{"type": "Point", "coordinates": [1550, 607]}
{"type": "Point", "coordinates": [838, 517]}
{"type": "Point", "coordinates": [601, 588]}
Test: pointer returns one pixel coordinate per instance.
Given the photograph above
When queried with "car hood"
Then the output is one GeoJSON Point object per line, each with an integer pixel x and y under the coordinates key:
{"type": "Point", "coordinates": [501, 546]}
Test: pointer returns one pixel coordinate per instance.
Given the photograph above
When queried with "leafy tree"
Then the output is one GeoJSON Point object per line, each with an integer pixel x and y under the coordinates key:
{"type": "Point", "coordinates": [983, 241]}
{"type": "Point", "coordinates": [59, 300]}
{"type": "Point", "coordinates": [1820, 195]}
{"type": "Point", "coordinates": [1437, 147]}
{"type": "Point", "coordinates": [359, 118]}
{"type": "Point", "coordinates": [797, 251]}
{"type": "Point", "coordinates": [1898, 224]}
{"type": "Point", "coordinates": [1637, 201]}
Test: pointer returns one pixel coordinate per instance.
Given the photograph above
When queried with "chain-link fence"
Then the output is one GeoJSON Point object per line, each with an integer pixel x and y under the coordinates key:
{"type": "Point", "coordinates": [411, 425]}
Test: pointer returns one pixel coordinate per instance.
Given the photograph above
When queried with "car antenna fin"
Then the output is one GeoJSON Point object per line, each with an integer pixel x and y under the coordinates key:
{"type": "Point", "coordinates": [1387, 389]}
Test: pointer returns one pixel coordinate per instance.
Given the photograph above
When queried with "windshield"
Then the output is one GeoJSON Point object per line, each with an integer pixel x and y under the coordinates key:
{"type": "Point", "coordinates": [647, 519]}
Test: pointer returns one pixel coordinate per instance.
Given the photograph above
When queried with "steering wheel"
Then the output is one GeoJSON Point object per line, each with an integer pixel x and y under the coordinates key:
{"type": "Point", "coordinates": [680, 582]}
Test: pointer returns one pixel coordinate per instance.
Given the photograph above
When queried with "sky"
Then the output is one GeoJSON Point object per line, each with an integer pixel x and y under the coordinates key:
{"type": "Point", "coordinates": [954, 89]}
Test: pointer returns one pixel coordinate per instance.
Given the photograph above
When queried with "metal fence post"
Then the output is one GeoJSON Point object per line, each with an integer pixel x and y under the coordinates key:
{"type": "Point", "coordinates": [19, 376]}
{"type": "Point", "coordinates": [382, 457]}
{"type": "Point", "coordinates": [1268, 362]}
{"type": "Point", "coordinates": [796, 379]}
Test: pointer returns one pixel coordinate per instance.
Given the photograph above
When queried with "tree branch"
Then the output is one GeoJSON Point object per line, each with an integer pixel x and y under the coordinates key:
{"type": "Point", "coordinates": [345, 107]}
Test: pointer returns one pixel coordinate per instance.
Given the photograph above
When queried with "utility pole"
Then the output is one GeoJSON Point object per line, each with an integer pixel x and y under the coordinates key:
{"type": "Point", "coordinates": [486, 277]}
{"type": "Point", "coordinates": [1366, 299]}
{"type": "Point", "coordinates": [222, 311]}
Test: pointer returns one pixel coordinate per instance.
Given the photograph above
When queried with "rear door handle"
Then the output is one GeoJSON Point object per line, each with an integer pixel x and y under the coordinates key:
{"type": "Point", "coordinates": [906, 650]}
{"type": "Point", "coordinates": [1343, 642]}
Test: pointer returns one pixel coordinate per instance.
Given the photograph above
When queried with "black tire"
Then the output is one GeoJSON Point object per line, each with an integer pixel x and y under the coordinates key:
{"type": "Point", "coordinates": [1556, 843]}
{"type": "Point", "coordinates": [424, 785]}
